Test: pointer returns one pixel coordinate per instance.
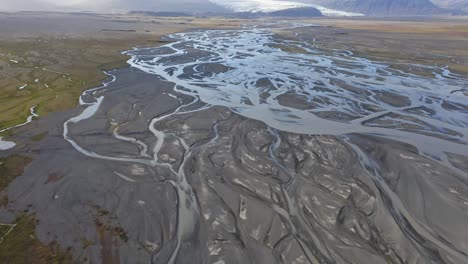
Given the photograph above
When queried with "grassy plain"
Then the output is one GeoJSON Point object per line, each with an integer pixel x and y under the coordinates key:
{"type": "Point", "coordinates": [47, 60]}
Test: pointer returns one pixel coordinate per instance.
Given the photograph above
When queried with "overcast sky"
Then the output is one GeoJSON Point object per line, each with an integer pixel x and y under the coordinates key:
{"type": "Point", "coordinates": [154, 5]}
{"type": "Point", "coordinates": [110, 5]}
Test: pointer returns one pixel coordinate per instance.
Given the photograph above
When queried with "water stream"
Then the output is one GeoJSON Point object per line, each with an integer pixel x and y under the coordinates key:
{"type": "Point", "coordinates": [248, 72]}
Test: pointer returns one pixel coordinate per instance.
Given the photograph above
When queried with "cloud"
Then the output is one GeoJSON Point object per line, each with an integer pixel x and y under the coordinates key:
{"type": "Point", "coordinates": [35, 5]}
{"type": "Point", "coordinates": [109, 5]}
{"type": "Point", "coordinates": [66, 2]}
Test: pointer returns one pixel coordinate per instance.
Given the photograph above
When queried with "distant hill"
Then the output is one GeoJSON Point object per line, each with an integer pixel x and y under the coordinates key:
{"type": "Point", "coordinates": [456, 5]}
{"type": "Point", "coordinates": [290, 12]}
{"type": "Point", "coordinates": [297, 12]}
{"type": "Point", "coordinates": [391, 7]}
{"type": "Point", "coordinates": [161, 14]}
{"type": "Point", "coordinates": [382, 7]}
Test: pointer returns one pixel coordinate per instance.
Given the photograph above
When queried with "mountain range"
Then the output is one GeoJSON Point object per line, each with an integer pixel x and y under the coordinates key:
{"type": "Point", "coordinates": [326, 7]}
{"type": "Point", "coordinates": [354, 7]}
{"type": "Point", "coordinates": [456, 5]}
{"type": "Point", "coordinates": [382, 7]}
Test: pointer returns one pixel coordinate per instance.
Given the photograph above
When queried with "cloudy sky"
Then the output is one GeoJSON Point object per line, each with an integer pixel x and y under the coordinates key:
{"type": "Point", "coordinates": [155, 5]}
{"type": "Point", "coordinates": [110, 5]}
{"type": "Point", "coordinates": [190, 6]}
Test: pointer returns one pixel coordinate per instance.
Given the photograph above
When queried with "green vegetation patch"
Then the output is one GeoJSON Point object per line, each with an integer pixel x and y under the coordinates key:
{"type": "Point", "coordinates": [39, 136]}
{"type": "Point", "coordinates": [105, 224]}
{"type": "Point", "coordinates": [52, 75]}
{"type": "Point", "coordinates": [20, 245]}
{"type": "Point", "coordinates": [10, 168]}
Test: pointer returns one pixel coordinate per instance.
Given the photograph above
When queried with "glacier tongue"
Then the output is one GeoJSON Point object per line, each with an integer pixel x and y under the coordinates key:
{"type": "Point", "coordinates": [275, 5]}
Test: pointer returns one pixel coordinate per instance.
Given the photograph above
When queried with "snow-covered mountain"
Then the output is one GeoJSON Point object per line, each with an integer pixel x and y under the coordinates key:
{"type": "Point", "coordinates": [460, 5]}
{"type": "Point", "coordinates": [326, 7]}
{"type": "Point", "coordinates": [275, 5]}
{"type": "Point", "coordinates": [382, 7]}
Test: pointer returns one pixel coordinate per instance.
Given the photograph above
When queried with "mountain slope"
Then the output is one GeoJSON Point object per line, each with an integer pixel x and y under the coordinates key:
{"type": "Point", "coordinates": [290, 12]}
{"type": "Point", "coordinates": [391, 7]}
{"type": "Point", "coordinates": [452, 4]}
{"type": "Point", "coordinates": [381, 7]}
{"type": "Point", "coordinates": [297, 12]}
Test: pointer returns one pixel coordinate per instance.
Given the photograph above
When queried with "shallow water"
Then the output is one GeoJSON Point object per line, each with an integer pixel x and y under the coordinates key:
{"type": "Point", "coordinates": [314, 92]}
{"type": "Point", "coordinates": [247, 72]}
{"type": "Point", "coordinates": [4, 145]}
{"type": "Point", "coordinates": [29, 119]}
{"type": "Point", "coordinates": [340, 94]}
